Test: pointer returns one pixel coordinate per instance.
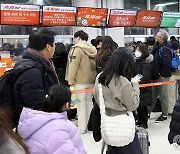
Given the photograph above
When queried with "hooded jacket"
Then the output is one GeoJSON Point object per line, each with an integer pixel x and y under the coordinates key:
{"type": "Point", "coordinates": [49, 133]}
{"type": "Point", "coordinates": [81, 66]}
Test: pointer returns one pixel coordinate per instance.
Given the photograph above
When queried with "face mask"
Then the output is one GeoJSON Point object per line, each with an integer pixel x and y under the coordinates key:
{"type": "Point", "coordinates": [138, 54]}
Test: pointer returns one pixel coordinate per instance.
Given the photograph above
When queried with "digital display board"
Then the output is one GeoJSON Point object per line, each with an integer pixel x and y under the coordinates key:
{"type": "Point", "coordinates": [121, 18]}
{"type": "Point", "coordinates": [170, 20]}
{"type": "Point", "coordinates": [146, 18]}
{"type": "Point", "coordinates": [92, 17]}
{"type": "Point", "coordinates": [58, 16]}
{"type": "Point", "coordinates": [13, 14]}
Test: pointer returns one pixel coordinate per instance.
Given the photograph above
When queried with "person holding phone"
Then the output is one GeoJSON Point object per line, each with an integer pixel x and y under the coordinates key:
{"type": "Point", "coordinates": [143, 68]}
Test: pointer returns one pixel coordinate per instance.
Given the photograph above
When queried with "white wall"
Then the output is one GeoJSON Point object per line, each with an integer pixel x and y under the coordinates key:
{"type": "Point", "coordinates": [116, 33]}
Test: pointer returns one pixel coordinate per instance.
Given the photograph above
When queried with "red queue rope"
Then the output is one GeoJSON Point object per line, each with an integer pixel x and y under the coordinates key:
{"type": "Point", "coordinates": [141, 86]}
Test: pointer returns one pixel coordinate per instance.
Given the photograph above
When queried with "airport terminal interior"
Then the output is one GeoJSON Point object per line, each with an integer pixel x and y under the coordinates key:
{"type": "Point", "coordinates": [14, 34]}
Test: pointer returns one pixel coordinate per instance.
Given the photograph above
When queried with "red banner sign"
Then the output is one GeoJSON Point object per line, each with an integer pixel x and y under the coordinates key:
{"type": "Point", "coordinates": [95, 17]}
{"type": "Point", "coordinates": [58, 16]}
{"type": "Point", "coordinates": [12, 14]}
{"type": "Point", "coordinates": [121, 18]}
{"type": "Point", "coordinates": [148, 18]}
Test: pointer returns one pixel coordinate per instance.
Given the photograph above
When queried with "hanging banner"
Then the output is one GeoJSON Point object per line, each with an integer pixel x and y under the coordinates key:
{"type": "Point", "coordinates": [12, 14]}
{"type": "Point", "coordinates": [146, 18]}
{"type": "Point", "coordinates": [58, 16]}
{"type": "Point", "coordinates": [121, 18]}
{"type": "Point", "coordinates": [93, 17]}
{"type": "Point", "coordinates": [170, 20]}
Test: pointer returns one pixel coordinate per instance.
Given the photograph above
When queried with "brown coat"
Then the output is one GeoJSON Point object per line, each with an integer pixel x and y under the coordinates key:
{"type": "Point", "coordinates": [81, 65]}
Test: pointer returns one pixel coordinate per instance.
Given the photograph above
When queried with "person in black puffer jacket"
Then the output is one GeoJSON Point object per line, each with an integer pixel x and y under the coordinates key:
{"type": "Point", "coordinates": [60, 61]}
{"type": "Point", "coordinates": [31, 87]}
{"type": "Point", "coordinates": [143, 67]}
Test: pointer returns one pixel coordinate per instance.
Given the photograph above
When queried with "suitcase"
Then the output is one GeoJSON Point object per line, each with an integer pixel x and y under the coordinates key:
{"type": "Point", "coordinates": [143, 139]}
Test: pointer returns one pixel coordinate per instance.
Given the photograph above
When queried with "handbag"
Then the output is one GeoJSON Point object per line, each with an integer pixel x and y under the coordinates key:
{"type": "Point", "coordinates": [116, 130]}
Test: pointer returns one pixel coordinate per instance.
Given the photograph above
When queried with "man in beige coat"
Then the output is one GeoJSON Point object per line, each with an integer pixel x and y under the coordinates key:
{"type": "Point", "coordinates": [81, 73]}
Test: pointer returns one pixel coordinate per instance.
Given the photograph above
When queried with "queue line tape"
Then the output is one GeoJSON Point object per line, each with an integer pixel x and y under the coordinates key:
{"type": "Point", "coordinates": [141, 86]}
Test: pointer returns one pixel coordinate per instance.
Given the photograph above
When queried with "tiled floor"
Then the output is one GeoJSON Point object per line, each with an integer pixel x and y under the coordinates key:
{"type": "Point", "coordinates": [157, 133]}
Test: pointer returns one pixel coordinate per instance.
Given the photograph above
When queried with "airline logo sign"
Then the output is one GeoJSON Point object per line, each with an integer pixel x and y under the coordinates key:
{"type": "Point", "coordinates": [170, 20]}
{"type": "Point", "coordinates": [95, 17]}
{"type": "Point", "coordinates": [12, 14]}
{"type": "Point", "coordinates": [59, 16]}
{"type": "Point", "coordinates": [122, 18]}
{"type": "Point", "coordinates": [148, 18]}
{"type": "Point", "coordinates": [59, 9]}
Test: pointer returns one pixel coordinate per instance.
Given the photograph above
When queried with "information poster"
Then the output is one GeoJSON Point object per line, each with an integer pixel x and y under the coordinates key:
{"type": "Point", "coordinates": [12, 14]}
{"type": "Point", "coordinates": [121, 18]}
{"type": "Point", "coordinates": [58, 16]}
{"type": "Point", "coordinates": [170, 20]}
{"type": "Point", "coordinates": [147, 18]}
{"type": "Point", "coordinates": [95, 17]}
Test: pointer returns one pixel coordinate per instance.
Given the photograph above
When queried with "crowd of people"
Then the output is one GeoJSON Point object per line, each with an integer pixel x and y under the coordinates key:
{"type": "Point", "coordinates": [42, 99]}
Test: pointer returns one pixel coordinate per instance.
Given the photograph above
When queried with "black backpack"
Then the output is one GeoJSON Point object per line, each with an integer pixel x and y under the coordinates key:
{"type": "Point", "coordinates": [7, 81]}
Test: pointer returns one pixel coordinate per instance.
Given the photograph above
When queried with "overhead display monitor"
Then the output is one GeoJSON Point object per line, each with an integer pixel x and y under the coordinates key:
{"type": "Point", "coordinates": [121, 18]}
{"type": "Point", "coordinates": [146, 18]}
{"type": "Point", "coordinates": [92, 17]}
{"type": "Point", "coordinates": [58, 16]}
{"type": "Point", "coordinates": [170, 20]}
{"type": "Point", "coordinates": [13, 14]}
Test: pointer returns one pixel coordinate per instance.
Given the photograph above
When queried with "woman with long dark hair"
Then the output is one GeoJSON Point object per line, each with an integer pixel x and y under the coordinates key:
{"type": "Point", "coordinates": [120, 95]}
{"type": "Point", "coordinates": [108, 46]}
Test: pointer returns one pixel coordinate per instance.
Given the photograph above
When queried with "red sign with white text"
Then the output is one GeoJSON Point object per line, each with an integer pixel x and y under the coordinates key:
{"type": "Point", "coordinates": [147, 18]}
{"type": "Point", "coordinates": [12, 14]}
{"type": "Point", "coordinates": [95, 17]}
{"type": "Point", "coordinates": [58, 16]}
{"type": "Point", "coordinates": [121, 18]}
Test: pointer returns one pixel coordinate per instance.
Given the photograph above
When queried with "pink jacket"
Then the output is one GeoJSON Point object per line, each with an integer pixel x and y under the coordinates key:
{"type": "Point", "coordinates": [49, 133]}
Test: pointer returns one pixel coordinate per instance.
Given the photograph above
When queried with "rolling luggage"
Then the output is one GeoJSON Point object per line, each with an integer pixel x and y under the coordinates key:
{"type": "Point", "coordinates": [143, 139]}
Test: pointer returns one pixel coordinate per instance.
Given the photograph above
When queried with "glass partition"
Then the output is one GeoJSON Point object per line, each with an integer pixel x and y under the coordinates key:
{"type": "Point", "coordinates": [165, 6]}
{"type": "Point", "coordinates": [135, 5]}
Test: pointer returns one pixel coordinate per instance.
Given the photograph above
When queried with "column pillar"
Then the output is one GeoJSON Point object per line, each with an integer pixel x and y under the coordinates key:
{"type": "Point", "coordinates": [116, 33]}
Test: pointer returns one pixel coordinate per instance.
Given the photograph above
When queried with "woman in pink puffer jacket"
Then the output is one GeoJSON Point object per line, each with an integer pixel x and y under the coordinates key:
{"type": "Point", "coordinates": [49, 131]}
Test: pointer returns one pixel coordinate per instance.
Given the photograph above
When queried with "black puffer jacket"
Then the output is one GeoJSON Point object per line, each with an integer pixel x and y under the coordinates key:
{"type": "Point", "coordinates": [175, 122]}
{"type": "Point", "coordinates": [60, 63]}
{"type": "Point", "coordinates": [144, 68]}
{"type": "Point", "coordinates": [161, 66]}
{"type": "Point", "coordinates": [32, 85]}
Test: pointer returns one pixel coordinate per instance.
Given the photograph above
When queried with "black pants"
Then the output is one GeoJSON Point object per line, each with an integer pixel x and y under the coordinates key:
{"type": "Point", "coordinates": [142, 114]}
{"type": "Point", "coordinates": [132, 148]}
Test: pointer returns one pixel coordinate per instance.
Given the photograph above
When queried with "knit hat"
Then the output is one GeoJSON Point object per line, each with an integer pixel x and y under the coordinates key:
{"type": "Point", "coordinates": [175, 45]}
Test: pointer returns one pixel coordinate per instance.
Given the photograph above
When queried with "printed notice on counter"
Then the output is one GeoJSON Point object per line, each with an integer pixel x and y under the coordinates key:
{"type": "Point", "coordinates": [170, 20]}
{"type": "Point", "coordinates": [95, 17]}
{"type": "Point", "coordinates": [12, 14]}
{"type": "Point", "coordinates": [58, 16]}
{"type": "Point", "coordinates": [121, 18]}
{"type": "Point", "coordinates": [147, 18]}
